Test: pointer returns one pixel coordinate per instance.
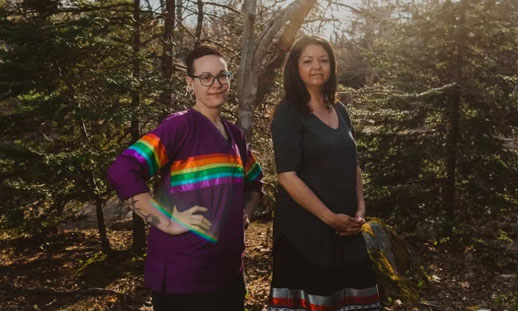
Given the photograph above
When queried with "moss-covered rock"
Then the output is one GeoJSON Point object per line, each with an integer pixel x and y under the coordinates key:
{"type": "Point", "coordinates": [389, 255]}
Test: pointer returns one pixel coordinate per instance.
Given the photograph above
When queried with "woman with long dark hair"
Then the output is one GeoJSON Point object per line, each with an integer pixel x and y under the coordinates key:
{"type": "Point", "coordinates": [320, 258]}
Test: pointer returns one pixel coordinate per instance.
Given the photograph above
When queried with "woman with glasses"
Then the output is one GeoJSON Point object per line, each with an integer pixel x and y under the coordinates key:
{"type": "Point", "coordinates": [197, 213]}
{"type": "Point", "coordinates": [320, 260]}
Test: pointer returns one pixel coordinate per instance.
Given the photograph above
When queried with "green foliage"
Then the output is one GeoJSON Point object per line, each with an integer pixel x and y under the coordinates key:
{"type": "Point", "coordinates": [420, 57]}
{"type": "Point", "coordinates": [66, 87]}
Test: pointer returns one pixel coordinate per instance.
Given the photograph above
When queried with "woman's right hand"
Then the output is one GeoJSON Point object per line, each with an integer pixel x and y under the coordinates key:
{"type": "Point", "coordinates": [188, 220]}
{"type": "Point", "coordinates": [344, 224]}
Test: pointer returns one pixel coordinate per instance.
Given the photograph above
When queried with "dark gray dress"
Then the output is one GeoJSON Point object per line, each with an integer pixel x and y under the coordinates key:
{"type": "Point", "coordinates": [325, 159]}
{"type": "Point", "coordinates": [313, 267]}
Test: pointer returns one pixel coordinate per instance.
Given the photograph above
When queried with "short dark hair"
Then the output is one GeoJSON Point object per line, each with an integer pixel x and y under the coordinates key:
{"type": "Point", "coordinates": [295, 91]}
{"type": "Point", "coordinates": [198, 52]}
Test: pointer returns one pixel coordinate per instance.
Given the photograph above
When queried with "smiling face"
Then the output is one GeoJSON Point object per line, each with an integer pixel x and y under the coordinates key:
{"type": "Point", "coordinates": [214, 96]}
{"type": "Point", "coordinates": [314, 66]}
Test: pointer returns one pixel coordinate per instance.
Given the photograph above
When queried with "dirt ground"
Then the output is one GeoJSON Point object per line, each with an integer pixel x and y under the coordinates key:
{"type": "Point", "coordinates": [67, 271]}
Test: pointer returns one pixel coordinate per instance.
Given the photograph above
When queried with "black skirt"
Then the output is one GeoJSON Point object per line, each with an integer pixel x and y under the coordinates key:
{"type": "Point", "coordinates": [299, 284]}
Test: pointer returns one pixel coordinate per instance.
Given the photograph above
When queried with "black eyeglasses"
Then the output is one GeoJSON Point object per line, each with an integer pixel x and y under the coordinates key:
{"type": "Point", "coordinates": [206, 79]}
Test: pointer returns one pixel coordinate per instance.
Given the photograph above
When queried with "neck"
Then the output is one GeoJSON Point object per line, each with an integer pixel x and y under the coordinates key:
{"type": "Point", "coordinates": [317, 98]}
{"type": "Point", "coordinates": [213, 114]}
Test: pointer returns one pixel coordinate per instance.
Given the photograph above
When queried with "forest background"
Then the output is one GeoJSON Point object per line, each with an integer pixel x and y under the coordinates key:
{"type": "Point", "coordinates": [431, 85]}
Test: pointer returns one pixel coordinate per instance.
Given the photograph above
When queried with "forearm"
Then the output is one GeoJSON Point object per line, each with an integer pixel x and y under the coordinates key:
{"type": "Point", "coordinates": [359, 192]}
{"type": "Point", "coordinates": [141, 205]}
{"type": "Point", "coordinates": [252, 199]}
{"type": "Point", "coordinates": [304, 196]}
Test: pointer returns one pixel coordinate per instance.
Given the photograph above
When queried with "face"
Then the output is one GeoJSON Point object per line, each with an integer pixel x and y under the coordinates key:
{"type": "Point", "coordinates": [209, 96]}
{"type": "Point", "coordinates": [314, 66]}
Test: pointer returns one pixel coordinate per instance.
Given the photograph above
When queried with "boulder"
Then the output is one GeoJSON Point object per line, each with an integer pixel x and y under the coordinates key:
{"type": "Point", "coordinates": [390, 259]}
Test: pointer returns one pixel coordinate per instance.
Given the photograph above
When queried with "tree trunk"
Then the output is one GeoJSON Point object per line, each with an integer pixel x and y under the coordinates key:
{"type": "Point", "coordinates": [451, 155]}
{"type": "Point", "coordinates": [251, 69]}
{"type": "Point", "coordinates": [449, 191]}
{"type": "Point", "coordinates": [139, 234]}
{"type": "Point", "coordinates": [166, 99]}
{"type": "Point", "coordinates": [105, 243]}
{"type": "Point", "coordinates": [281, 49]}
{"type": "Point", "coordinates": [199, 24]}
{"type": "Point", "coordinates": [179, 19]}
{"type": "Point", "coordinates": [245, 82]}
{"type": "Point", "coordinates": [99, 202]}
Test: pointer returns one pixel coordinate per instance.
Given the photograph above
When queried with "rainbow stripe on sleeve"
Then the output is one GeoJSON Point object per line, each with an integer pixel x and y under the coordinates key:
{"type": "Point", "coordinates": [206, 171]}
{"type": "Point", "coordinates": [149, 151]}
{"type": "Point", "coordinates": [252, 169]}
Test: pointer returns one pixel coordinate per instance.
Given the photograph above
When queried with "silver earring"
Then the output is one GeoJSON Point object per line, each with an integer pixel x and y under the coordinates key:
{"type": "Point", "coordinates": [189, 91]}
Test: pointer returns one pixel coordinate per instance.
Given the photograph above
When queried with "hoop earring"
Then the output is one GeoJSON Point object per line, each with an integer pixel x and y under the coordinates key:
{"type": "Point", "coordinates": [189, 92]}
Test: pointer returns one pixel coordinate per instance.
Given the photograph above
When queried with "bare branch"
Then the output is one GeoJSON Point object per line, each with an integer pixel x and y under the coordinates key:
{"type": "Point", "coordinates": [219, 44]}
{"type": "Point", "coordinates": [355, 10]}
{"type": "Point", "coordinates": [297, 8]}
{"type": "Point", "coordinates": [222, 6]}
{"type": "Point", "coordinates": [184, 28]}
{"type": "Point", "coordinates": [199, 24]}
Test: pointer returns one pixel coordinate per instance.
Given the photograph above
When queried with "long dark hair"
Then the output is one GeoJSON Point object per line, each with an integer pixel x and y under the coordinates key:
{"type": "Point", "coordinates": [295, 91]}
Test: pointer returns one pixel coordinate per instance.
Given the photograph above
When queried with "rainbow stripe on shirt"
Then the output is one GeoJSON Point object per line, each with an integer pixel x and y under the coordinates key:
{"type": "Point", "coordinates": [205, 171]}
{"type": "Point", "coordinates": [252, 169]}
{"type": "Point", "coordinates": [149, 151]}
